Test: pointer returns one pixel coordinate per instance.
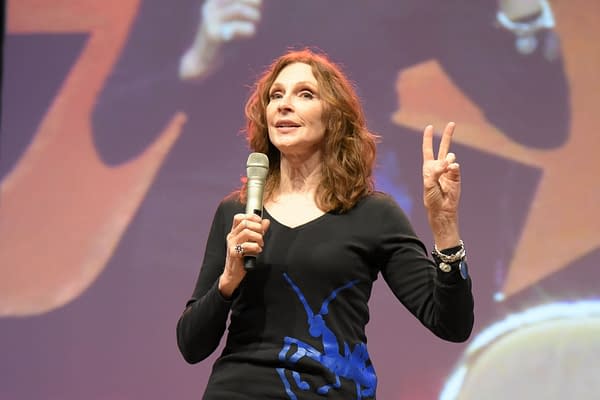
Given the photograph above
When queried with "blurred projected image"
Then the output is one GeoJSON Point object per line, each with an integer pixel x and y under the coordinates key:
{"type": "Point", "coordinates": [221, 22]}
{"type": "Point", "coordinates": [529, 20]}
{"type": "Point", "coordinates": [150, 111]}
{"type": "Point", "coordinates": [545, 352]}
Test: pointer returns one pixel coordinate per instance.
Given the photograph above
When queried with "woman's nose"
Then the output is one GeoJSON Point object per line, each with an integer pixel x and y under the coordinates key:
{"type": "Point", "coordinates": [285, 104]}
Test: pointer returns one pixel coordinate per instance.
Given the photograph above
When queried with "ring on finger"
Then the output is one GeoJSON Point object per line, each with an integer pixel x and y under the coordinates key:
{"type": "Point", "coordinates": [239, 249]}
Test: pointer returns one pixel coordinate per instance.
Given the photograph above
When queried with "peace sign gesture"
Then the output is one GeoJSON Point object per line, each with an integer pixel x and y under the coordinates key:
{"type": "Point", "coordinates": [441, 187]}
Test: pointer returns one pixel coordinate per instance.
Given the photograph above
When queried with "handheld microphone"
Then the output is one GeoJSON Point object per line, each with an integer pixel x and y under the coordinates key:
{"type": "Point", "coordinates": [257, 168]}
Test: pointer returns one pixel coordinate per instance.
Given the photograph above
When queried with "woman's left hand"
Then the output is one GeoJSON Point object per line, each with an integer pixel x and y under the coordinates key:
{"type": "Point", "coordinates": [441, 185]}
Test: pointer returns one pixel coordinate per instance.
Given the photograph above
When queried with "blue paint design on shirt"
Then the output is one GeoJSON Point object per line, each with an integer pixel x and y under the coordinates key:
{"type": "Point", "coordinates": [352, 364]}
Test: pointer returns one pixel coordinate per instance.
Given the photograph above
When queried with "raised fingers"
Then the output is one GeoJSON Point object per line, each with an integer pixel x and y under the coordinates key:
{"type": "Point", "coordinates": [428, 153]}
{"type": "Point", "coordinates": [428, 143]}
{"type": "Point", "coordinates": [446, 141]}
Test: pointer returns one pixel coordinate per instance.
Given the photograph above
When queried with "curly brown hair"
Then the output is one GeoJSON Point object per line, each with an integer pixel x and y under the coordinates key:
{"type": "Point", "coordinates": [349, 148]}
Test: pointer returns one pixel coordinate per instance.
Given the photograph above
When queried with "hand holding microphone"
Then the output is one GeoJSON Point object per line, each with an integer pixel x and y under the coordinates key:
{"type": "Point", "coordinates": [245, 240]}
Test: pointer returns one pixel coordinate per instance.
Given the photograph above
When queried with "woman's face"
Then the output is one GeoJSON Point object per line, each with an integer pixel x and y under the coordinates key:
{"type": "Point", "coordinates": [295, 112]}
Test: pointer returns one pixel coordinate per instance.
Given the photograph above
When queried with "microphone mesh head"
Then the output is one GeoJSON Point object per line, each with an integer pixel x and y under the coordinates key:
{"type": "Point", "coordinates": [257, 166]}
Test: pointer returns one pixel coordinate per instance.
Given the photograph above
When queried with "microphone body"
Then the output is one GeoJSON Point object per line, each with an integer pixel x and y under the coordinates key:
{"type": "Point", "coordinates": [257, 168]}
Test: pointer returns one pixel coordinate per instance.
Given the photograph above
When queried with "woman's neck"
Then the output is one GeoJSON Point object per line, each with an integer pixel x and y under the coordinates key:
{"type": "Point", "coordinates": [293, 202]}
{"type": "Point", "coordinates": [299, 176]}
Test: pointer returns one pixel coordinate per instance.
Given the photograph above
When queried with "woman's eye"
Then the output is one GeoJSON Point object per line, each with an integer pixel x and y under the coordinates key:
{"type": "Point", "coordinates": [306, 94]}
{"type": "Point", "coordinates": [275, 95]}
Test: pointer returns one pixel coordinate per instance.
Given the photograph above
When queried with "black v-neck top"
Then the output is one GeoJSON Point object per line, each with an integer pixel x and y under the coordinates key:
{"type": "Point", "coordinates": [268, 215]}
{"type": "Point", "coordinates": [297, 322]}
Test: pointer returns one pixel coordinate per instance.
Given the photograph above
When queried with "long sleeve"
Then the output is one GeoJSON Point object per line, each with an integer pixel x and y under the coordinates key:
{"type": "Point", "coordinates": [442, 301]}
{"type": "Point", "coordinates": [202, 323]}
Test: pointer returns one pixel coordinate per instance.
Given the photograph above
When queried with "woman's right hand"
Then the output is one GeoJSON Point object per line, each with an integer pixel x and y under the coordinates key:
{"type": "Point", "coordinates": [246, 238]}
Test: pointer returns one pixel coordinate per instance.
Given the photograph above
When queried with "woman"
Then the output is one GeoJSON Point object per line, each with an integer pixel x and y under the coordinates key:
{"type": "Point", "coordinates": [297, 322]}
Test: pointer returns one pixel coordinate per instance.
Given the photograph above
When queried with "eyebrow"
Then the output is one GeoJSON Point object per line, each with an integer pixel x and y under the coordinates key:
{"type": "Point", "coordinates": [312, 84]}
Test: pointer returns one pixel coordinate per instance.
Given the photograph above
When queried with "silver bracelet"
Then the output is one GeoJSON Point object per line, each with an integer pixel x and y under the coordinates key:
{"type": "Point", "coordinates": [459, 255]}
